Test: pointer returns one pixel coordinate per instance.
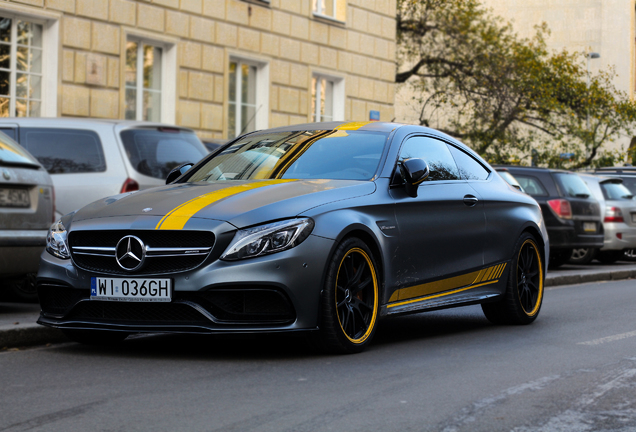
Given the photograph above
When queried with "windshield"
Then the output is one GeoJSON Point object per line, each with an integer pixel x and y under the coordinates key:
{"type": "Point", "coordinates": [572, 185]}
{"type": "Point", "coordinates": [616, 191]}
{"type": "Point", "coordinates": [12, 153]}
{"type": "Point", "coordinates": [155, 152]}
{"type": "Point", "coordinates": [340, 154]}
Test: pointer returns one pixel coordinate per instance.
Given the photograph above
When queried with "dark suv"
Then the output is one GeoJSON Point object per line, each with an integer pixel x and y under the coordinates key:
{"type": "Point", "coordinates": [571, 213]}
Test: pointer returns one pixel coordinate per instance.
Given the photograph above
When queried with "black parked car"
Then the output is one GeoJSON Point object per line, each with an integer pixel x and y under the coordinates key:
{"type": "Point", "coordinates": [571, 213]}
{"type": "Point", "coordinates": [323, 228]}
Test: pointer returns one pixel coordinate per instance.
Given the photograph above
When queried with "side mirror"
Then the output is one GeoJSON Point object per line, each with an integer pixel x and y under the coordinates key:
{"type": "Point", "coordinates": [415, 172]}
{"type": "Point", "coordinates": [178, 172]}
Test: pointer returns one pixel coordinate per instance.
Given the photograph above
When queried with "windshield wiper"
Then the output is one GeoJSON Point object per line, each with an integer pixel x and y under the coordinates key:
{"type": "Point", "coordinates": [582, 195]}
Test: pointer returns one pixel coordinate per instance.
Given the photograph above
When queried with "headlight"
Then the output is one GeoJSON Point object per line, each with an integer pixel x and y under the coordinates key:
{"type": "Point", "coordinates": [56, 241]}
{"type": "Point", "coordinates": [267, 239]}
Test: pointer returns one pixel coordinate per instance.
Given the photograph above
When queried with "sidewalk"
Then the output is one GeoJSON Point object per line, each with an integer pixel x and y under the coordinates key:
{"type": "Point", "coordinates": [18, 320]}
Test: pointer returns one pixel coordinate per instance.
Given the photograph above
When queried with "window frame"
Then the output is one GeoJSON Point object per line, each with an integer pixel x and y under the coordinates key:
{"type": "Point", "coordinates": [169, 65]}
{"type": "Point", "coordinates": [318, 11]}
{"type": "Point", "coordinates": [337, 96]}
{"type": "Point", "coordinates": [50, 22]}
{"type": "Point", "coordinates": [261, 117]}
{"type": "Point", "coordinates": [397, 171]}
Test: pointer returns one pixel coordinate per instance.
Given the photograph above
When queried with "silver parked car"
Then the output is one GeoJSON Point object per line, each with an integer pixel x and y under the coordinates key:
{"type": "Point", "coordinates": [618, 209]}
{"type": "Point", "coordinates": [26, 213]}
{"type": "Point", "coordinates": [89, 159]}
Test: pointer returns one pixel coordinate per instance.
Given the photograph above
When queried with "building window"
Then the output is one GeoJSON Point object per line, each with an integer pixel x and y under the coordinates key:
{"type": "Point", "coordinates": [20, 68]}
{"type": "Point", "coordinates": [143, 81]}
{"type": "Point", "coordinates": [248, 96]}
{"type": "Point", "coordinates": [333, 9]}
{"type": "Point", "coordinates": [322, 99]}
{"type": "Point", "coordinates": [327, 98]}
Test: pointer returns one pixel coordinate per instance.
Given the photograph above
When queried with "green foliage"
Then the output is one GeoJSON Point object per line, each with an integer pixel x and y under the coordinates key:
{"type": "Point", "coordinates": [505, 96]}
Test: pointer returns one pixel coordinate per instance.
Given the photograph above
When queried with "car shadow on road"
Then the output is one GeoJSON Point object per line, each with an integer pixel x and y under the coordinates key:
{"type": "Point", "coordinates": [394, 330]}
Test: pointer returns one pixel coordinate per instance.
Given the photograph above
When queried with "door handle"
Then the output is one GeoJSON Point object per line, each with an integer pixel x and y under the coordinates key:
{"type": "Point", "coordinates": [470, 200]}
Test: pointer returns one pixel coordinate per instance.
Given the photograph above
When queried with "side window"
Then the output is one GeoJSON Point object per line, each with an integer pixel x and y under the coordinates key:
{"type": "Point", "coordinates": [531, 185]}
{"type": "Point", "coordinates": [469, 168]}
{"type": "Point", "coordinates": [63, 151]}
{"type": "Point", "coordinates": [436, 154]}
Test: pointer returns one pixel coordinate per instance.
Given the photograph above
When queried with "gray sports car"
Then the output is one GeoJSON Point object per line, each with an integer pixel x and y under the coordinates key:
{"type": "Point", "coordinates": [324, 227]}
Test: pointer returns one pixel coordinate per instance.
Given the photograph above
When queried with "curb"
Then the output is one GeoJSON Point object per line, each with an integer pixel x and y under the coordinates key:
{"type": "Point", "coordinates": [23, 335]}
{"type": "Point", "coordinates": [573, 279]}
{"type": "Point", "coordinates": [28, 335]}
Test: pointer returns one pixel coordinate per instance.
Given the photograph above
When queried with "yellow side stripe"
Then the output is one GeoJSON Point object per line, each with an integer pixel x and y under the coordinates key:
{"type": "Point", "coordinates": [179, 216]}
{"type": "Point", "coordinates": [468, 280]}
{"type": "Point", "coordinates": [441, 295]}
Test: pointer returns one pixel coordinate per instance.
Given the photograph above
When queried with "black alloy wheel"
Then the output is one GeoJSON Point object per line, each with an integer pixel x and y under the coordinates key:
{"type": "Point", "coordinates": [522, 300]}
{"type": "Point", "coordinates": [529, 278]}
{"type": "Point", "coordinates": [350, 301]}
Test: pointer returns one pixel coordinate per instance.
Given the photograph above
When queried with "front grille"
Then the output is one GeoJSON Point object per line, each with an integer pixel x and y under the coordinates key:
{"type": "Point", "coordinates": [227, 306]}
{"type": "Point", "coordinates": [95, 250]}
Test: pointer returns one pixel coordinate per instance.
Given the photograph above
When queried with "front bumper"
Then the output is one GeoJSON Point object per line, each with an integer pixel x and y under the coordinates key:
{"type": "Point", "coordinates": [294, 277]}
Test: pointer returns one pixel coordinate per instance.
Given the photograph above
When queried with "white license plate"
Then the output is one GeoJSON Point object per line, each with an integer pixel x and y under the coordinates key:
{"type": "Point", "coordinates": [14, 197]}
{"type": "Point", "coordinates": [132, 290]}
{"type": "Point", "coordinates": [589, 226]}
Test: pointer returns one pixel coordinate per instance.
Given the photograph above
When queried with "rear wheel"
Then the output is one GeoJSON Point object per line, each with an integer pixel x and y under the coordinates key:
{"type": "Point", "coordinates": [582, 255]}
{"type": "Point", "coordinates": [524, 294]}
{"type": "Point", "coordinates": [95, 337]}
{"type": "Point", "coordinates": [350, 301]}
{"type": "Point", "coordinates": [630, 255]}
{"type": "Point", "coordinates": [22, 289]}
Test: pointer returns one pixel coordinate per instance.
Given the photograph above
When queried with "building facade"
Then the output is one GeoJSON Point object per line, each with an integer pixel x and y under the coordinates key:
{"type": "Point", "coordinates": [221, 67]}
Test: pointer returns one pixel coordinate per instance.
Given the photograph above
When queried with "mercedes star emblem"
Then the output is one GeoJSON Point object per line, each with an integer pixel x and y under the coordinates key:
{"type": "Point", "coordinates": [130, 253]}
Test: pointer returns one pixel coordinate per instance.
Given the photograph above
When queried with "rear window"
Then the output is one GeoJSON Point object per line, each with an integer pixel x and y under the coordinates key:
{"type": "Point", "coordinates": [63, 151]}
{"type": "Point", "coordinates": [531, 185]}
{"type": "Point", "coordinates": [572, 185]}
{"type": "Point", "coordinates": [616, 191]}
{"type": "Point", "coordinates": [155, 152]}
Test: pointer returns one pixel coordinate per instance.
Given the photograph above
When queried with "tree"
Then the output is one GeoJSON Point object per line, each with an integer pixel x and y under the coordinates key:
{"type": "Point", "coordinates": [509, 98]}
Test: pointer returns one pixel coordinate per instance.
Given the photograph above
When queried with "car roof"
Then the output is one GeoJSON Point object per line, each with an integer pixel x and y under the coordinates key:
{"type": "Point", "coordinates": [59, 121]}
{"type": "Point", "coordinates": [343, 125]}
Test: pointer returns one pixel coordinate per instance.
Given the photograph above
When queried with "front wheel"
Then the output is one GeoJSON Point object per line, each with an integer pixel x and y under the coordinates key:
{"type": "Point", "coordinates": [524, 294]}
{"type": "Point", "coordinates": [350, 299]}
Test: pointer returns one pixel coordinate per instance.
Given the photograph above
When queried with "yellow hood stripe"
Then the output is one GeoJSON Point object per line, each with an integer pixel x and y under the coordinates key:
{"type": "Point", "coordinates": [352, 125]}
{"type": "Point", "coordinates": [179, 216]}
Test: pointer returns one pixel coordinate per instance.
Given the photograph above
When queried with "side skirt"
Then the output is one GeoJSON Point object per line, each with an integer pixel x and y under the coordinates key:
{"type": "Point", "coordinates": [475, 287]}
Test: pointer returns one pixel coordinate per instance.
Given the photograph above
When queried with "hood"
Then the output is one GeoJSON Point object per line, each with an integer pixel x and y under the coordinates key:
{"type": "Point", "coordinates": [241, 203]}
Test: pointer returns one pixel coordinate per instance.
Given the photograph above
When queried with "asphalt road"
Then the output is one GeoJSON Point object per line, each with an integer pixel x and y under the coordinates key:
{"type": "Point", "coordinates": [573, 370]}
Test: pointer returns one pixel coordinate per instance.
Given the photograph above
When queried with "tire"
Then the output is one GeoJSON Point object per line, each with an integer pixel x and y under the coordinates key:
{"type": "Point", "coordinates": [23, 289]}
{"type": "Point", "coordinates": [558, 257]}
{"type": "Point", "coordinates": [95, 337]}
{"type": "Point", "coordinates": [630, 255]}
{"type": "Point", "coordinates": [350, 299]}
{"type": "Point", "coordinates": [609, 257]}
{"type": "Point", "coordinates": [582, 255]}
{"type": "Point", "coordinates": [522, 300]}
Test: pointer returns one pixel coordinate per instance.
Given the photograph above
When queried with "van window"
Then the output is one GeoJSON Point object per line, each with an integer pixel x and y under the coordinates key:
{"type": "Point", "coordinates": [63, 151]}
{"type": "Point", "coordinates": [155, 152]}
